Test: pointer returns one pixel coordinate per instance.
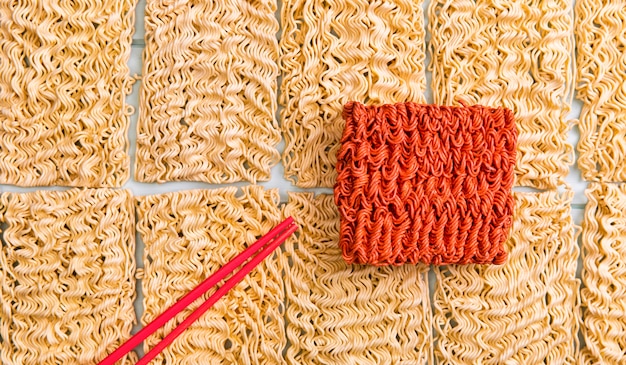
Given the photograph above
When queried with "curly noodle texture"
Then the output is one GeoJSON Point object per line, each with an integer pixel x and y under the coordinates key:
{"type": "Point", "coordinates": [349, 314]}
{"type": "Point", "coordinates": [67, 276]}
{"type": "Point", "coordinates": [424, 183]}
{"type": "Point", "coordinates": [601, 44]}
{"type": "Point", "coordinates": [208, 96]}
{"type": "Point", "coordinates": [188, 236]}
{"type": "Point", "coordinates": [604, 275]}
{"type": "Point", "coordinates": [523, 312]}
{"type": "Point", "coordinates": [63, 84]}
{"type": "Point", "coordinates": [516, 54]}
{"type": "Point", "coordinates": [333, 52]}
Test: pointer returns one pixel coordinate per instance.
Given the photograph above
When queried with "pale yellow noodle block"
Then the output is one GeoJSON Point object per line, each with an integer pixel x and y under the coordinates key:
{"type": "Point", "coordinates": [604, 275]}
{"type": "Point", "coordinates": [349, 314]}
{"type": "Point", "coordinates": [189, 235]}
{"type": "Point", "coordinates": [601, 45]}
{"type": "Point", "coordinates": [208, 95]}
{"type": "Point", "coordinates": [516, 54]}
{"type": "Point", "coordinates": [523, 312]}
{"type": "Point", "coordinates": [67, 276]}
{"type": "Point", "coordinates": [63, 83]}
{"type": "Point", "coordinates": [333, 52]}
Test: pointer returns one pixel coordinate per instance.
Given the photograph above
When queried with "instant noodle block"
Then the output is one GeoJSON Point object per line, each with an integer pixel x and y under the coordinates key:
{"type": "Point", "coordinates": [601, 45]}
{"type": "Point", "coordinates": [333, 52]}
{"type": "Point", "coordinates": [349, 314]}
{"type": "Point", "coordinates": [515, 54]}
{"type": "Point", "coordinates": [188, 236]}
{"type": "Point", "coordinates": [604, 275]}
{"type": "Point", "coordinates": [425, 183]}
{"type": "Point", "coordinates": [67, 276]}
{"type": "Point", "coordinates": [63, 83]}
{"type": "Point", "coordinates": [523, 312]}
{"type": "Point", "coordinates": [208, 92]}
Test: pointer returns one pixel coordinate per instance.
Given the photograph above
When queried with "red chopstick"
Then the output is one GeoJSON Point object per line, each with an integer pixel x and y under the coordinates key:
{"type": "Point", "coordinates": [267, 244]}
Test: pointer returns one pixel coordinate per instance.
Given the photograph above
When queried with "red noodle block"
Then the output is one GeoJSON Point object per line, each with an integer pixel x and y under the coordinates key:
{"type": "Point", "coordinates": [425, 183]}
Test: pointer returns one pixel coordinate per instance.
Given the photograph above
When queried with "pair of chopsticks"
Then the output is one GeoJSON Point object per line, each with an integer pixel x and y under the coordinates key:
{"type": "Point", "coordinates": [264, 246]}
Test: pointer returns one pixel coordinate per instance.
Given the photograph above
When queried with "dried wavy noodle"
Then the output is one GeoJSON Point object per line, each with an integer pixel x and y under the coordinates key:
{"type": "Point", "coordinates": [425, 183]}
{"type": "Point", "coordinates": [67, 276]}
{"type": "Point", "coordinates": [349, 314]}
{"type": "Point", "coordinates": [333, 52]}
{"type": "Point", "coordinates": [63, 83]}
{"type": "Point", "coordinates": [188, 236]}
{"type": "Point", "coordinates": [523, 312]}
{"type": "Point", "coordinates": [516, 54]}
{"type": "Point", "coordinates": [604, 275]}
{"type": "Point", "coordinates": [601, 44]}
{"type": "Point", "coordinates": [208, 96]}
